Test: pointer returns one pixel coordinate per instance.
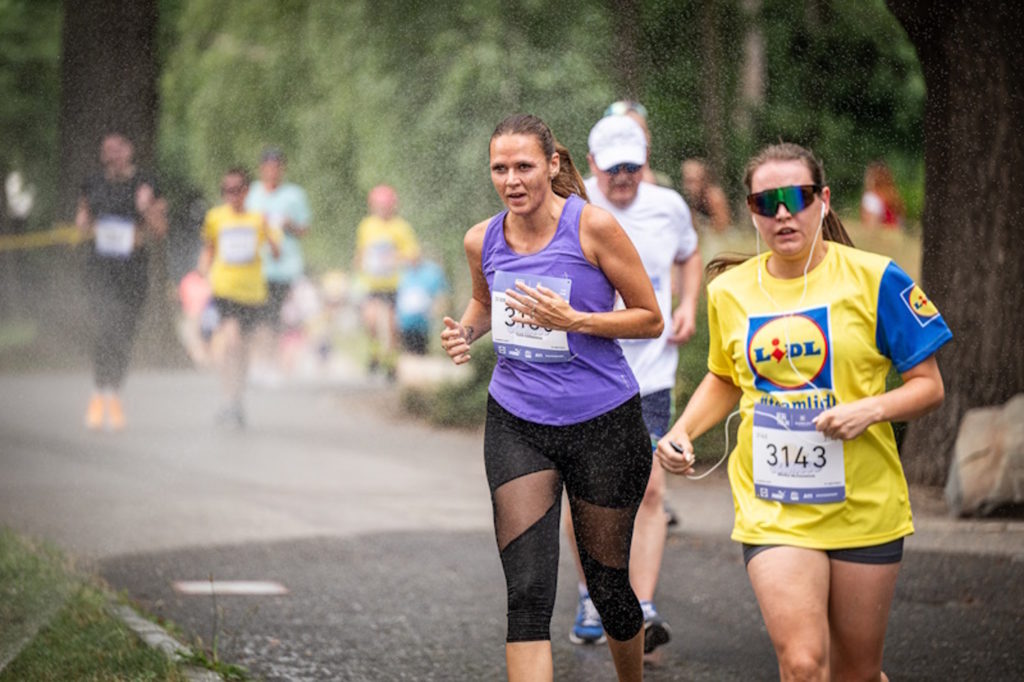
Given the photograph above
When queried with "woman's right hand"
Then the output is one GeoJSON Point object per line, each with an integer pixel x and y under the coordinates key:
{"type": "Point", "coordinates": [675, 452]}
{"type": "Point", "coordinates": [454, 341]}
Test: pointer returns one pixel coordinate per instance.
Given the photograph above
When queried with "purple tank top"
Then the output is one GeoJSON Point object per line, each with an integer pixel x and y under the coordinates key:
{"type": "Point", "coordinates": [567, 386]}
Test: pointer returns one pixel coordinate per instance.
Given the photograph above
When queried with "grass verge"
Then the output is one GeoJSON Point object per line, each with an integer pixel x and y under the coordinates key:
{"type": "Point", "coordinates": [55, 625]}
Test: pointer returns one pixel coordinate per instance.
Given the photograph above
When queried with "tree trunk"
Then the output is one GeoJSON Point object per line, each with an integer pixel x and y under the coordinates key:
{"type": "Point", "coordinates": [973, 260]}
{"type": "Point", "coordinates": [751, 84]}
{"type": "Point", "coordinates": [712, 109]}
{"type": "Point", "coordinates": [109, 76]}
{"type": "Point", "coordinates": [626, 29]}
{"type": "Point", "coordinates": [108, 84]}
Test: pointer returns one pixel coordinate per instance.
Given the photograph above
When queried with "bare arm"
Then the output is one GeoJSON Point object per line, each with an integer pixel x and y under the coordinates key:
{"type": "Point", "coordinates": [711, 403]}
{"type": "Point", "coordinates": [153, 210]}
{"type": "Point", "coordinates": [607, 246]}
{"type": "Point", "coordinates": [272, 243]}
{"type": "Point", "coordinates": [688, 276]}
{"type": "Point", "coordinates": [205, 259]}
{"type": "Point", "coordinates": [718, 204]}
{"type": "Point", "coordinates": [83, 217]}
{"type": "Point", "coordinates": [456, 337]}
{"type": "Point", "coordinates": [922, 391]}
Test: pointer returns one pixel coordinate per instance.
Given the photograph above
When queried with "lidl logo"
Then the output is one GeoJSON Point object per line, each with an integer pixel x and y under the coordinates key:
{"type": "Point", "coordinates": [920, 306]}
{"type": "Point", "coordinates": [791, 352]}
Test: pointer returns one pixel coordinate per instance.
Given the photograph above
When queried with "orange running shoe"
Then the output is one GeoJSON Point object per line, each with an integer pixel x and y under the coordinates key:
{"type": "Point", "coordinates": [94, 413]}
{"type": "Point", "coordinates": [115, 414]}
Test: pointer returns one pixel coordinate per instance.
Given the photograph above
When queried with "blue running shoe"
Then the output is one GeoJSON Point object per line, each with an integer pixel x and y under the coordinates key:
{"type": "Point", "coordinates": [587, 629]}
{"type": "Point", "coordinates": [656, 630]}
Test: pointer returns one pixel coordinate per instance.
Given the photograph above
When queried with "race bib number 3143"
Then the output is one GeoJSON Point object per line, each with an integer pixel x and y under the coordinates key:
{"type": "Point", "coordinates": [526, 342]}
{"type": "Point", "coordinates": [793, 461]}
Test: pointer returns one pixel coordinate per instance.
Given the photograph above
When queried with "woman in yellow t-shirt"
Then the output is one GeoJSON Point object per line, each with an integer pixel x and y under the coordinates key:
{"type": "Point", "coordinates": [803, 337]}
{"type": "Point", "coordinates": [230, 258]}
{"type": "Point", "coordinates": [385, 246]}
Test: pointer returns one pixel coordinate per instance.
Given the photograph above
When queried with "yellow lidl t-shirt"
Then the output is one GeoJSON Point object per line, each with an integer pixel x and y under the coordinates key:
{"type": "Point", "coordinates": [384, 246]}
{"type": "Point", "coordinates": [236, 273]}
{"type": "Point", "coordinates": [794, 353]}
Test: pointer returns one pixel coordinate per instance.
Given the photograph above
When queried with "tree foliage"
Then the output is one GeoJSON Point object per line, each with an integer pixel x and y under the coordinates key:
{"type": "Point", "coordinates": [839, 77]}
{"type": "Point", "coordinates": [361, 93]}
{"type": "Point", "coordinates": [29, 90]}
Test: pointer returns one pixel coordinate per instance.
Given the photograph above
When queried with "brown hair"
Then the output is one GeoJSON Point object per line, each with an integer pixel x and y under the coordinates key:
{"type": "Point", "coordinates": [239, 172]}
{"type": "Point", "coordinates": [568, 181]}
{"type": "Point", "coordinates": [832, 228]}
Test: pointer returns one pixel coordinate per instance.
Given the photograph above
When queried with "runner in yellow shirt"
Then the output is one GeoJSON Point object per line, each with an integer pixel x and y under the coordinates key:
{"type": "Point", "coordinates": [385, 244]}
{"type": "Point", "coordinates": [232, 239]}
{"type": "Point", "coordinates": [803, 337]}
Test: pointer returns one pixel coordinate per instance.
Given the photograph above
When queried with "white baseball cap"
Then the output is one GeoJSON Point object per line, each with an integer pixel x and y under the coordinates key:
{"type": "Point", "coordinates": [617, 139]}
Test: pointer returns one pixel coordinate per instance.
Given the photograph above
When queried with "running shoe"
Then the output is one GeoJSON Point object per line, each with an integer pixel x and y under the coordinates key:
{"type": "Point", "coordinates": [231, 418]}
{"type": "Point", "coordinates": [656, 630]}
{"type": "Point", "coordinates": [587, 629]}
{"type": "Point", "coordinates": [115, 414]}
{"type": "Point", "coordinates": [671, 517]}
{"type": "Point", "coordinates": [94, 413]}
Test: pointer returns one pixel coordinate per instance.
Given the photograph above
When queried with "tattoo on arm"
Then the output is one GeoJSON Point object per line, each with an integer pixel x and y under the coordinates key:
{"type": "Point", "coordinates": [470, 333]}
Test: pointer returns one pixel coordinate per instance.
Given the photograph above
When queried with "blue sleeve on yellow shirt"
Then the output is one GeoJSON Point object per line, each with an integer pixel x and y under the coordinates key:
{"type": "Point", "coordinates": [909, 328]}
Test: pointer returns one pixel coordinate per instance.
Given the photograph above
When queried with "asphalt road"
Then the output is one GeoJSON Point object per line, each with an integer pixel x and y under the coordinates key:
{"type": "Point", "coordinates": [377, 528]}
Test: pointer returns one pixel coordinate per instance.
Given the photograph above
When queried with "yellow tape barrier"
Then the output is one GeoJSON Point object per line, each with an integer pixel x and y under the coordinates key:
{"type": "Point", "coordinates": [62, 235]}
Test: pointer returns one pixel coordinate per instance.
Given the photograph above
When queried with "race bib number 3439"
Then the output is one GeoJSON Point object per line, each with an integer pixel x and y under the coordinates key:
{"type": "Point", "coordinates": [526, 342]}
{"type": "Point", "coordinates": [793, 461]}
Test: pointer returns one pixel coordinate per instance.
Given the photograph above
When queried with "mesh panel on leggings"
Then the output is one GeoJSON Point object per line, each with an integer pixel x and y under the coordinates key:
{"type": "Point", "coordinates": [526, 512]}
{"type": "Point", "coordinates": [603, 536]}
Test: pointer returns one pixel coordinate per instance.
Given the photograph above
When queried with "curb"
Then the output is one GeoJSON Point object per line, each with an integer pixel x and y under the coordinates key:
{"type": "Point", "coordinates": [158, 638]}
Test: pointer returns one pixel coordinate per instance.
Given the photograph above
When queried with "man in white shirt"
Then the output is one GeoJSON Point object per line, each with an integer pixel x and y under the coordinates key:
{"type": "Point", "coordinates": [658, 221]}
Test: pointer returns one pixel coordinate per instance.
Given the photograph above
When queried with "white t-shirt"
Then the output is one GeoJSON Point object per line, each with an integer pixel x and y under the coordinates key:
{"type": "Point", "coordinates": [873, 204]}
{"type": "Point", "coordinates": [659, 224]}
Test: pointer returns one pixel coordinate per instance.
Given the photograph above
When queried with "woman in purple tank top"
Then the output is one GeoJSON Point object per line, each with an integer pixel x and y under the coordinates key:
{"type": "Point", "coordinates": [564, 408]}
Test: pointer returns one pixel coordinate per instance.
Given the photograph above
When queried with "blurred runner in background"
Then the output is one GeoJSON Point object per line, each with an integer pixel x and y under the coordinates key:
{"type": "Point", "coordinates": [881, 204]}
{"type": "Point", "coordinates": [422, 287]}
{"type": "Point", "coordinates": [286, 209]}
{"type": "Point", "coordinates": [385, 243]}
{"type": "Point", "coordinates": [122, 210]}
{"type": "Point", "coordinates": [233, 238]}
{"type": "Point", "coordinates": [706, 198]}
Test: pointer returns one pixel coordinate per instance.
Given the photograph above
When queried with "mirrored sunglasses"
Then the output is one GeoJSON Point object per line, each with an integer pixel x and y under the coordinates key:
{"type": "Point", "coordinates": [629, 168]}
{"type": "Point", "coordinates": [795, 198]}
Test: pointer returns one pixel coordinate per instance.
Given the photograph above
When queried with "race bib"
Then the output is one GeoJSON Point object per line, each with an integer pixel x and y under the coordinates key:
{"type": "Point", "coordinates": [794, 462]}
{"type": "Point", "coordinates": [527, 342]}
{"type": "Point", "coordinates": [413, 301]}
{"type": "Point", "coordinates": [237, 244]}
{"type": "Point", "coordinates": [380, 259]}
{"type": "Point", "coordinates": [115, 236]}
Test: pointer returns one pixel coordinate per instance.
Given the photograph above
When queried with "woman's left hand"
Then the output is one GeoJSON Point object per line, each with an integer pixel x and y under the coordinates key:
{"type": "Point", "coordinates": [845, 422]}
{"type": "Point", "coordinates": [540, 307]}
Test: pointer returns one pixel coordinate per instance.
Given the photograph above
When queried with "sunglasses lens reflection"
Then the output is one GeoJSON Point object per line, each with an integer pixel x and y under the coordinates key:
{"type": "Point", "coordinates": [629, 168]}
{"type": "Point", "coordinates": [795, 198]}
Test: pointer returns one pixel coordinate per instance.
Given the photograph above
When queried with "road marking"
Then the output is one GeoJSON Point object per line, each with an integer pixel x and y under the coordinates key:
{"type": "Point", "coordinates": [243, 587]}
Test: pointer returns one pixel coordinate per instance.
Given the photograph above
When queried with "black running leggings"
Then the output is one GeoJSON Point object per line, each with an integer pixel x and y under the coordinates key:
{"type": "Point", "coordinates": [605, 463]}
{"type": "Point", "coordinates": [117, 291]}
